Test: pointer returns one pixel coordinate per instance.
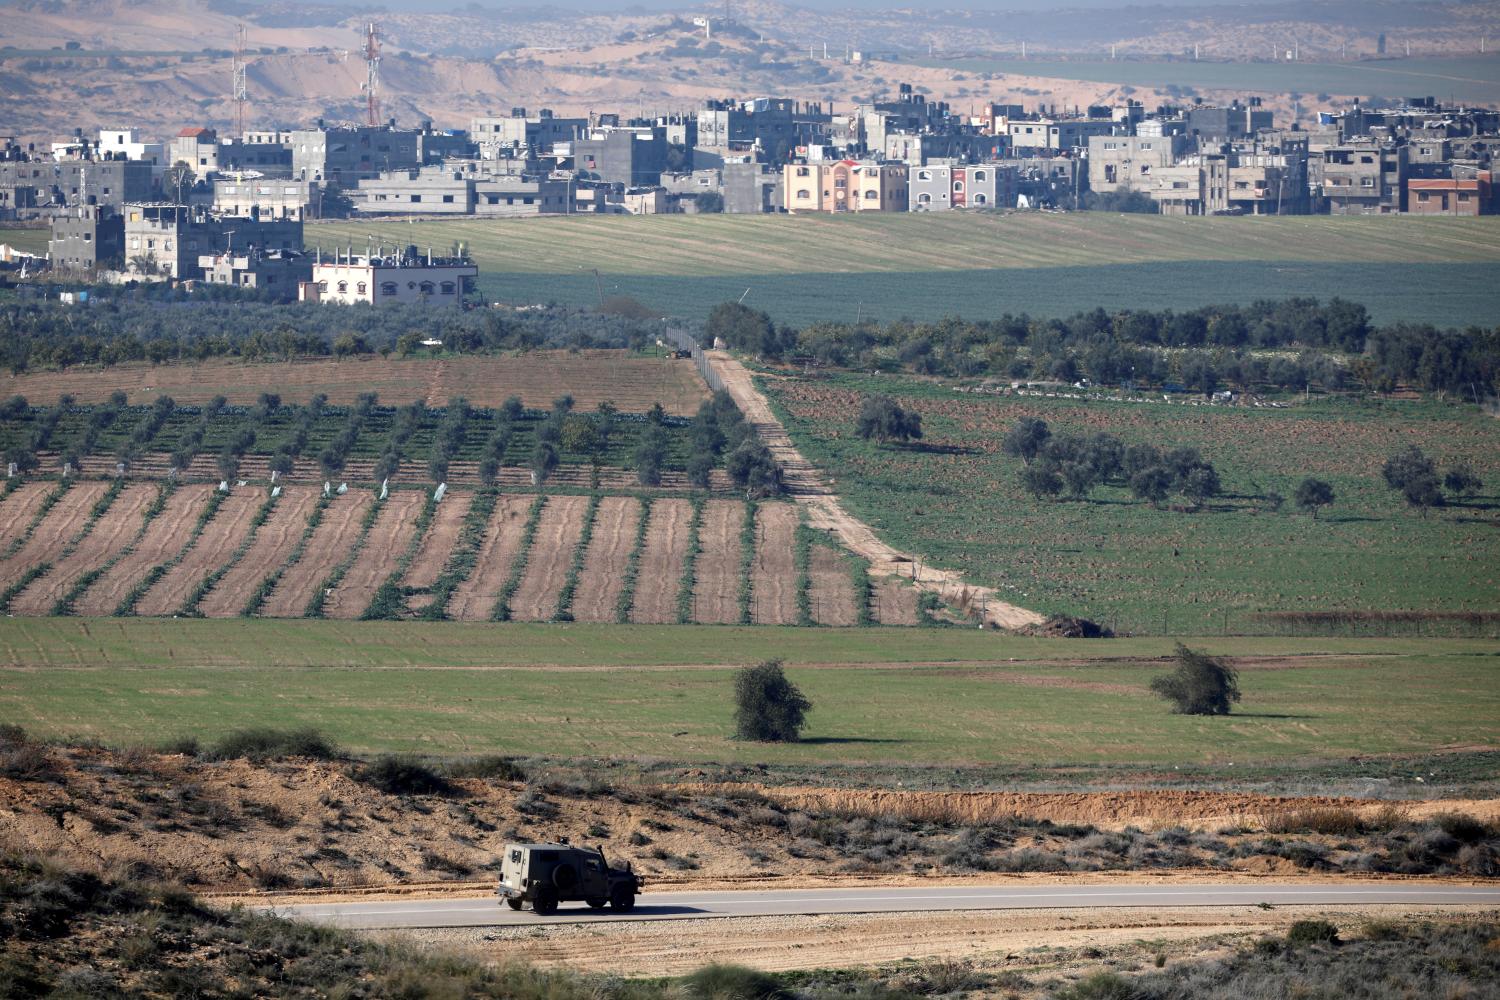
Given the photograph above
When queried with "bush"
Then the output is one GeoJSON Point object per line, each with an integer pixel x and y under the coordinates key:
{"type": "Point", "coordinates": [1099, 986]}
{"type": "Point", "coordinates": [1201, 684]}
{"type": "Point", "coordinates": [1305, 932]}
{"type": "Point", "coordinates": [272, 744]}
{"type": "Point", "coordinates": [733, 982]}
{"type": "Point", "coordinates": [403, 776]}
{"type": "Point", "coordinates": [768, 707]}
{"type": "Point", "coordinates": [1461, 827]}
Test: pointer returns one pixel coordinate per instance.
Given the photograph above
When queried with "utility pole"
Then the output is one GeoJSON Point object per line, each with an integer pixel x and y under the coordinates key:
{"type": "Point", "coordinates": [241, 90]}
{"type": "Point", "coordinates": [372, 75]}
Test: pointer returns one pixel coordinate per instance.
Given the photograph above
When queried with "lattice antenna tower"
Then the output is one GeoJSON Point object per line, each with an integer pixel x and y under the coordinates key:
{"type": "Point", "coordinates": [372, 75]}
{"type": "Point", "coordinates": [241, 86]}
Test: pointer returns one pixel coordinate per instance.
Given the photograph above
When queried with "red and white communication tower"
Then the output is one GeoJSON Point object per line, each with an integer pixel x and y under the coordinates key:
{"type": "Point", "coordinates": [372, 75]}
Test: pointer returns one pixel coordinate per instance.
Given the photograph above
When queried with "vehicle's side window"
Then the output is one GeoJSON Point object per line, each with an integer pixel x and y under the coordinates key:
{"type": "Point", "coordinates": [515, 857]}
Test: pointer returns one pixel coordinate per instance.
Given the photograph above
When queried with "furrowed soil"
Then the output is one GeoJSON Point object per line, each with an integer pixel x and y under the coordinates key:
{"type": "Point", "coordinates": [327, 548]}
{"type": "Point", "coordinates": [164, 537]}
{"type": "Point", "coordinates": [895, 602]}
{"type": "Point", "coordinates": [110, 533]}
{"type": "Point", "coordinates": [272, 546]}
{"type": "Point", "coordinates": [631, 382]}
{"type": "Point", "coordinates": [390, 536]}
{"type": "Point", "coordinates": [604, 562]}
{"type": "Point", "coordinates": [16, 509]}
{"type": "Point", "coordinates": [773, 574]}
{"type": "Point", "coordinates": [830, 591]}
{"type": "Point", "coordinates": [66, 518]}
{"type": "Point", "coordinates": [473, 600]}
{"type": "Point", "coordinates": [221, 536]}
{"type": "Point", "coordinates": [432, 553]}
{"type": "Point", "coordinates": [661, 563]}
{"type": "Point", "coordinates": [717, 569]}
{"type": "Point", "coordinates": [557, 534]}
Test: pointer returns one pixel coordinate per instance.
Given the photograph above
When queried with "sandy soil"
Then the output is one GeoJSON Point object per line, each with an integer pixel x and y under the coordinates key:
{"type": "Point", "coordinates": [604, 564]}
{"type": "Point", "coordinates": [475, 597]}
{"type": "Point", "coordinates": [773, 574]}
{"type": "Point", "coordinates": [390, 537]}
{"type": "Point", "coordinates": [163, 538]}
{"type": "Point", "coordinates": [895, 602]}
{"type": "Point", "coordinates": [272, 545]}
{"type": "Point", "coordinates": [112, 532]}
{"type": "Point", "coordinates": [62, 523]}
{"type": "Point", "coordinates": [16, 509]}
{"type": "Point", "coordinates": [830, 592]}
{"type": "Point", "coordinates": [328, 547]}
{"type": "Point", "coordinates": [661, 562]}
{"type": "Point", "coordinates": [1031, 942]}
{"type": "Point", "coordinates": [539, 377]}
{"type": "Point", "coordinates": [221, 536]}
{"type": "Point", "coordinates": [810, 487]}
{"type": "Point", "coordinates": [716, 571]}
{"type": "Point", "coordinates": [556, 539]}
{"type": "Point", "coordinates": [442, 533]}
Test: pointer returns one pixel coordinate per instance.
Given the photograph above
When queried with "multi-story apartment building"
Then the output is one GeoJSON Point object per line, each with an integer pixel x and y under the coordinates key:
{"type": "Point", "coordinates": [1056, 133]}
{"type": "Point", "coordinates": [35, 188]}
{"type": "Point", "coordinates": [845, 186]}
{"type": "Point", "coordinates": [632, 156]}
{"type": "Point", "coordinates": [348, 154]}
{"type": "Point", "coordinates": [167, 240]}
{"type": "Point", "coordinates": [1119, 163]}
{"type": "Point", "coordinates": [518, 132]}
{"type": "Point", "coordinates": [277, 273]}
{"type": "Point", "coordinates": [269, 198]}
{"type": "Point", "coordinates": [381, 279]}
{"type": "Point", "coordinates": [85, 238]}
{"type": "Point", "coordinates": [941, 187]}
{"type": "Point", "coordinates": [1361, 178]}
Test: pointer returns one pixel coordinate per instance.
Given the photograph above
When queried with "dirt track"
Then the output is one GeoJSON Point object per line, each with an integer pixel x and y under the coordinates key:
{"type": "Point", "coordinates": [661, 562]}
{"type": "Point", "coordinates": [604, 564]}
{"type": "Point", "coordinates": [810, 487]}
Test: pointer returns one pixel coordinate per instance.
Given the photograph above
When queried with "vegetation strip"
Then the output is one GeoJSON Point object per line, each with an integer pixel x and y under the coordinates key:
{"type": "Point", "coordinates": [64, 604]}
{"type": "Point", "coordinates": [48, 502]}
{"type": "Point", "coordinates": [389, 599]}
{"type": "Point", "coordinates": [37, 572]}
{"type": "Point", "coordinates": [501, 612]}
{"type": "Point", "coordinates": [263, 590]}
{"type": "Point", "coordinates": [314, 607]}
{"type": "Point", "coordinates": [689, 559]}
{"type": "Point", "coordinates": [747, 561]}
{"type": "Point", "coordinates": [802, 559]}
{"type": "Point", "coordinates": [864, 589]}
{"type": "Point", "coordinates": [190, 604]}
{"type": "Point", "coordinates": [27, 579]}
{"type": "Point", "coordinates": [626, 600]}
{"type": "Point", "coordinates": [564, 612]}
{"type": "Point", "coordinates": [465, 554]}
{"type": "Point", "coordinates": [126, 607]}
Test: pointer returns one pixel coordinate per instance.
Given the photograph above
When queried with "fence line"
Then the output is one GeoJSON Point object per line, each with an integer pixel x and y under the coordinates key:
{"type": "Point", "coordinates": [685, 341]}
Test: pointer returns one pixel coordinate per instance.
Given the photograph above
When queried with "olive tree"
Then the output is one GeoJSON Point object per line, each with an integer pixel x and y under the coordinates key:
{"type": "Point", "coordinates": [1201, 684]}
{"type": "Point", "coordinates": [768, 708]}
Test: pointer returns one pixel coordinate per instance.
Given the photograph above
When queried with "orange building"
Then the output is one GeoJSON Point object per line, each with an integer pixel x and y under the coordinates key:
{"type": "Point", "coordinates": [844, 186]}
{"type": "Point", "coordinates": [1450, 195]}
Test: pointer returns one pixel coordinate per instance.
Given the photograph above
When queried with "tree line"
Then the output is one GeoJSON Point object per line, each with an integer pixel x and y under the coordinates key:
{"type": "Point", "coordinates": [1199, 350]}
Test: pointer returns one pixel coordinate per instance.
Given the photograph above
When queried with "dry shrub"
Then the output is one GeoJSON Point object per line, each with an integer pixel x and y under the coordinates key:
{"type": "Point", "coordinates": [1335, 821]}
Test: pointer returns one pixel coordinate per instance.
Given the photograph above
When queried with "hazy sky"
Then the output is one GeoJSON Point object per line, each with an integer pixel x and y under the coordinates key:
{"type": "Point", "coordinates": [629, 5]}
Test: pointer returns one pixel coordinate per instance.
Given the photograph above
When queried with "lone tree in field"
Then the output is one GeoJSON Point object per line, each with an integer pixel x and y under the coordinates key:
{"type": "Point", "coordinates": [1461, 481]}
{"type": "Point", "coordinates": [1026, 438]}
{"type": "Point", "coordinates": [1201, 684]}
{"type": "Point", "coordinates": [882, 418]}
{"type": "Point", "coordinates": [1312, 494]}
{"type": "Point", "coordinates": [1414, 476]}
{"type": "Point", "coordinates": [768, 708]}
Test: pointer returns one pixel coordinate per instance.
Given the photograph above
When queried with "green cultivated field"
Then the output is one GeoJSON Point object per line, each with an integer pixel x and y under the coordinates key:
{"type": "Point", "coordinates": [664, 692]}
{"type": "Point", "coordinates": [1471, 79]}
{"type": "Point", "coordinates": [807, 268]}
{"type": "Point", "coordinates": [1121, 562]}
{"type": "Point", "coordinates": [30, 240]}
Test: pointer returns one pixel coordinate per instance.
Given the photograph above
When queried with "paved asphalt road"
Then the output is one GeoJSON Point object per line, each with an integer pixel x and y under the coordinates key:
{"type": "Point", "coordinates": [684, 905]}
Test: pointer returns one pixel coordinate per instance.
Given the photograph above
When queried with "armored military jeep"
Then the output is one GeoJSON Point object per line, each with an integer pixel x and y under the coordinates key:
{"type": "Point", "coordinates": [547, 874]}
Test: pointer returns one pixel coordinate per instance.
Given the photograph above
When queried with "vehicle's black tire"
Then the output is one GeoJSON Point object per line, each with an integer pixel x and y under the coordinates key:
{"type": "Point", "coordinates": [565, 877]}
{"type": "Point", "coordinates": [514, 904]}
{"type": "Point", "coordinates": [545, 902]}
{"type": "Point", "coordinates": [597, 904]}
{"type": "Point", "coordinates": [622, 899]}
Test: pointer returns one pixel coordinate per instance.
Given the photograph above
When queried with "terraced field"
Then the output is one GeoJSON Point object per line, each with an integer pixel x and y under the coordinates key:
{"type": "Point", "coordinates": [142, 549]}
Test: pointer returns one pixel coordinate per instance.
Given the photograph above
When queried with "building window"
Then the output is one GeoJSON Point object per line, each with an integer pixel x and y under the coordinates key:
{"type": "Point", "coordinates": [871, 195]}
{"type": "Point", "coordinates": [323, 287]}
{"type": "Point", "coordinates": [416, 198]}
{"type": "Point", "coordinates": [958, 187]}
{"type": "Point", "coordinates": [387, 288]}
{"type": "Point", "coordinates": [448, 288]}
{"type": "Point", "coordinates": [924, 198]}
{"type": "Point", "coordinates": [343, 287]}
{"type": "Point", "coordinates": [447, 199]}
{"type": "Point", "coordinates": [360, 288]}
{"type": "Point", "coordinates": [924, 175]}
{"type": "Point", "coordinates": [426, 288]}
{"type": "Point", "coordinates": [803, 194]}
{"type": "Point", "coordinates": [979, 176]}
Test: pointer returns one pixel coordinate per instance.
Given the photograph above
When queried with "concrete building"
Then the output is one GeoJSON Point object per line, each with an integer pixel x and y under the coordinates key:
{"type": "Point", "coordinates": [942, 187]}
{"type": "Point", "coordinates": [1451, 195]}
{"type": "Point", "coordinates": [917, 149]}
{"type": "Point", "coordinates": [497, 136]}
{"type": "Point", "coordinates": [1119, 163]}
{"type": "Point", "coordinates": [267, 198]}
{"type": "Point", "coordinates": [122, 142]}
{"type": "Point", "coordinates": [168, 239]}
{"type": "Point", "coordinates": [632, 156]}
{"type": "Point", "coordinates": [32, 188]}
{"type": "Point", "coordinates": [1237, 121]}
{"type": "Point", "coordinates": [348, 154]}
{"type": "Point", "coordinates": [845, 186]}
{"type": "Point", "coordinates": [644, 201]}
{"type": "Point", "coordinates": [1060, 134]}
{"type": "Point", "coordinates": [382, 279]}
{"type": "Point", "coordinates": [776, 126]}
{"type": "Point", "coordinates": [1362, 178]}
{"type": "Point", "coordinates": [438, 190]}
{"type": "Point", "coordinates": [84, 238]}
{"type": "Point", "coordinates": [276, 273]}
{"type": "Point", "coordinates": [514, 196]}
{"type": "Point", "coordinates": [206, 154]}
{"type": "Point", "coordinates": [1197, 184]}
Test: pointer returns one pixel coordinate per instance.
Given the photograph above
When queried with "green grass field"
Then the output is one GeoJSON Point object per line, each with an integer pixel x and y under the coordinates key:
{"type": "Point", "coordinates": [30, 240]}
{"type": "Point", "coordinates": [804, 269]}
{"type": "Point", "coordinates": [1471, 79]}
{"type": "Point", "coordinates": [1126, 564]}
{"type": "Point", "coordinates": [893, 696]}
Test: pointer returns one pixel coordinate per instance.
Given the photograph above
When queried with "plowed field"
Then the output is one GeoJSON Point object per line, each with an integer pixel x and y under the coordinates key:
{"type": "Point", "coordinates": [475, 597]}
{"type": "Point", "coordinates": [661, 563]}
{"type": "Point", "coordinates": [717, 584]}
{"type": "Point", "coordinates": [327, 548]}
{"type": "Point", "coordinates": [66, 518]}
{"type": "Point", "coordinates": [164, 536]}
{"type": "Point", "coordinates": [272, 546]}
{"type": "Point", "coordinates": [830, 590]}
{"type": "Point", "coordinates": [112, 533]}
{"type": "Point", "coordinates": [895, 603]}
{"type": "Point", "coordinates": [221, 536]}
{"type": "Point", "coordinates": [557, 534]}
{"type": "Point", "coordinates": [16, 508]}
{"type": "Point", "coordinates": [604, 563]}
{"type": "Point", "coordinates": [773, 576]}
{"type": "Point", "coordinates": [432, 554]}
{"type": "Point", "coordinates": [631, 382]}
{"type": "Point", "coordinates": [390, 536]}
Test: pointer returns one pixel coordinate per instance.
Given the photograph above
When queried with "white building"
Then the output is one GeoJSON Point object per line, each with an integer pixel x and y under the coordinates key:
{"type": "Point", "coordinates": [385, 278]}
